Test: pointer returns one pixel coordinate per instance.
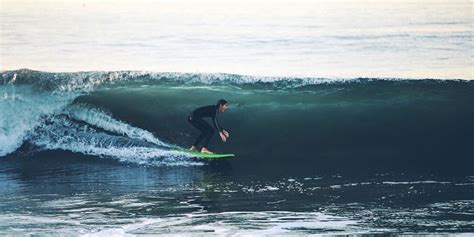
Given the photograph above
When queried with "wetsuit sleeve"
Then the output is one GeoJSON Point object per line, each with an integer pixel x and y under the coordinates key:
{"type": "Point", "coordinates": [216, 122]}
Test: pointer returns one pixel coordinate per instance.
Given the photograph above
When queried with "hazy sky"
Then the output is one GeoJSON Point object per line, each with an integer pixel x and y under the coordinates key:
{"type": "Point", "coordinates": [308, 38]}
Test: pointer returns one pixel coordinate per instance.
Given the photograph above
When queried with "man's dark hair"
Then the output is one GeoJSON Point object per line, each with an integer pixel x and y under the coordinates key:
{"type": "Point", "coordinates": [221, 102]}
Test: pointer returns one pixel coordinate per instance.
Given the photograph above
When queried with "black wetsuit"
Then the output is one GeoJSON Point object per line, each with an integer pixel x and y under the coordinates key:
{"type": "Point", "coordinates": [195, 119]}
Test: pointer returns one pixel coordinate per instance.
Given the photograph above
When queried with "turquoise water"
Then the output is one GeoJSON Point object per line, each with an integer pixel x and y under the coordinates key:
{"type": "Point", "coordinates": [91, 154]}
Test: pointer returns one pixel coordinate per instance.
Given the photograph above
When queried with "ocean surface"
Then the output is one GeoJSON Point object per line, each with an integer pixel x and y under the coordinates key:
{"type": "Point", "coordinates": [89, 154]}
{"type": "Point", "coordinates": [346, 118]}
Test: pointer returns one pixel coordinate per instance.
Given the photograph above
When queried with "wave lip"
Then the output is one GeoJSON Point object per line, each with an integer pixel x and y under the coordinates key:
{"type": "Point", "coordinates": [88, 81]}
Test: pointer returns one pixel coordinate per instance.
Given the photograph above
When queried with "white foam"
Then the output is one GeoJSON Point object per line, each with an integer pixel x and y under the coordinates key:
{"type": "Point", "coordinates": [266, 223]}
{"type": "Point", "coordinates": [43, 116]}
{"type": "Point", "coordinates": [105, 121]}
{"type": "Point", "coordinates": [415, 182]}
{"type": "Point", "coordinates": [23, 109]}
{"type": "Point", "coordinates": [61, 133]}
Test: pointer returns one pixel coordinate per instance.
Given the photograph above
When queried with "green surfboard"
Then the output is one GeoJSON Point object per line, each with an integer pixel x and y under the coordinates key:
{"type": "Point", "coordinates": [204, 155]}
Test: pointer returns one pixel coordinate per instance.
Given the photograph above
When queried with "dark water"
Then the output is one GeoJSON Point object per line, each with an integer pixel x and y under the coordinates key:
{"type": "Point", "coordinates": [88, 153]}
{"type": "Point", "coordinates": [363, 126]}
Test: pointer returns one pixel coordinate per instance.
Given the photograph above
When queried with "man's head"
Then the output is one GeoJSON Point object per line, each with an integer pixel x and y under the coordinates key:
{"type": "Point", "coordinates": [222, 105]}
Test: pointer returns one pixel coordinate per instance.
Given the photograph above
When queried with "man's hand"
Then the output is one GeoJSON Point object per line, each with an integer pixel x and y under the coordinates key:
{"type": "Point", "coordinates": [223, 136]}
{"type": "Point", "coordinates": [225, 133]}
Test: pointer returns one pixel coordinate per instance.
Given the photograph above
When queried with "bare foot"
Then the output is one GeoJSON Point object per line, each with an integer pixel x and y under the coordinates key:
{"type": "Point", "coordinates": [206, 151]}
{"type": "Point", "coordinates": [193, 148]}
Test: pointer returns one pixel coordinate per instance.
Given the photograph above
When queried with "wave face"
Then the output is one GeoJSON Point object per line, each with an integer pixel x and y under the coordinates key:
{"type": "Point", "coordinates": [275, 123]}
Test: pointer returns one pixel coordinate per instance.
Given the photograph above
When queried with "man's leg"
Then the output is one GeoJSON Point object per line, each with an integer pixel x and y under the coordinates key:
{"type": "Point", "coordinates": [209, 134]}
{"type": "Point", "coordinates": [201, 126]}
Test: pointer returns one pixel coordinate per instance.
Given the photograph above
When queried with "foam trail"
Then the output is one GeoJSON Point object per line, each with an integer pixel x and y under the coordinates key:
{"type": "Point", "coordinates": [61, 133]}
{"type": "Point", "coordinates": [105, 121]}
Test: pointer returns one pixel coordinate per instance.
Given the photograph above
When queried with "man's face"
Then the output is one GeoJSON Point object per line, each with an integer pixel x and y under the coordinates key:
{"type": "Point", "coordinates": [223, 108]}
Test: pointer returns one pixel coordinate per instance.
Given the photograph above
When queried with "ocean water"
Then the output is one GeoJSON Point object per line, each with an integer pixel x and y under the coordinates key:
{"type": "Point", "coordinates": [90, 154]}
{"type": "Point", "coordinates": [346, 118]}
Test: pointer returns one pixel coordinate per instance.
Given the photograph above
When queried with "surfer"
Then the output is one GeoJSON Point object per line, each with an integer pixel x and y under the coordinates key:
{"type": "Point", "coordinates": [196, 119]}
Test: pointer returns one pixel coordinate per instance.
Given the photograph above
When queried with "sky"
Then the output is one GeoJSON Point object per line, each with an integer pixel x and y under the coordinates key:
{"type": "Point", "coordinates": [354, 38]}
